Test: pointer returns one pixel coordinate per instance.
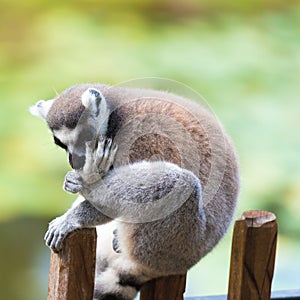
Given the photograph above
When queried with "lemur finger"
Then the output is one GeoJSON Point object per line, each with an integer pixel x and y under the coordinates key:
{"type": "Point", "coordinates": [55, 241]}
{"type": "Point", "coordinates": [50, 232]}
{"type": "Point", "coordinates": [101, 139]}
{"type": "Point", "coordinates": [73, 177]}
{"type": "Point", "coordinates": [49, 237]}
{"type": "Point", "coordinates": [89, 156]}
{"type": "Point", "coordinates": [102, 166]}
{"type": "Point", "coordinates": [90, 147]}
{"type": "Point", "coordinates": [72, 187]}
{"type": "Point", "coordinates": [115, 148]}
{"type": "Point", "coordinates": [108, 143]}
{"type": "Point", "coordinates": [100, 150]}
{"type": "Point", "coordinates": [111, 157]}
{"type": "Point", "coordinates": [52, 225]}
{"type": "Point", "coordinates": [58, 243]}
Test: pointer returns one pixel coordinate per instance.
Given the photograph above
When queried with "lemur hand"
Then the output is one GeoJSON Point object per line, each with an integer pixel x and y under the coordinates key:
{"type": "Point", "coordinates": [99, 158]}
{"type": "Point", "coordinates": [73, 182]}
{"type": "Point", "coordinates": [58, 229]}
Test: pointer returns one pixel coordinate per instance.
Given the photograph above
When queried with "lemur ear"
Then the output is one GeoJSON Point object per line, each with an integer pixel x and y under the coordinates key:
{"type": "Point", "coordinates": [91, 99]}
{"type": "Point", "coordinates": [41, 108]}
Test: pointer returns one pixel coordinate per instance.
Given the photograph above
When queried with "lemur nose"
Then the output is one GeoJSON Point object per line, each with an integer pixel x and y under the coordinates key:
{"type": "Point", "coordinates": [94, 92]}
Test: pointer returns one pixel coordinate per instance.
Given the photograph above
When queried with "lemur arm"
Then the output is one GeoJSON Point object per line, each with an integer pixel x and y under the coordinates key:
{"type": "Point", "coordinates": [82, 215]}
{"type": "Point", "coordinates": [99, 158]}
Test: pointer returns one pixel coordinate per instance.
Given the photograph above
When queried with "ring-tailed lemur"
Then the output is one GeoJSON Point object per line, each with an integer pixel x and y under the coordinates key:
{"type": "Point", "coordinates": [170, 195]}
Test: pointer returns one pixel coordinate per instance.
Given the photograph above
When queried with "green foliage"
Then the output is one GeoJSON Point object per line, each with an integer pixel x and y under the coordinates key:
{"type": "Point", "coordinates": [246, 65]}
{"type": "Point", "coordinates": [242, 56]}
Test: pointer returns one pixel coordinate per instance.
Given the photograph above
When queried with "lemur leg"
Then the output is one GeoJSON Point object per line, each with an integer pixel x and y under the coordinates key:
{"type": "Point", "coordinates": [117, 277]}
{"type": "Point", "coordinates": [155, 248]}
{"type": "Point", "coordinates": [99, 158]}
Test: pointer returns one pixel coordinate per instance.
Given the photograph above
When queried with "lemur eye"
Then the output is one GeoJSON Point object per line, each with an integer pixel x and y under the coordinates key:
{"type": "Point", "coordinates": [59, 143]}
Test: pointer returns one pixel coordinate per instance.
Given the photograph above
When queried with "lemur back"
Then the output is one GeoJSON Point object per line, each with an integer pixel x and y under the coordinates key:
{"type": "Point", "coordinates": [150, 126]}
{"type": "Point", "coordinates": [158, 124]}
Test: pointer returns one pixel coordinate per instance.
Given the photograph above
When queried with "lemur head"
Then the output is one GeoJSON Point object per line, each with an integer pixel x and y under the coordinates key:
{"type": "Point", "coordinates": [74, 117]}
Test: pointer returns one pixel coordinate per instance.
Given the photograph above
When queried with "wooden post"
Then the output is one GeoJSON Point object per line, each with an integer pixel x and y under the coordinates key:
{"type": "Point", "coordinates": [72, 271]}
{"type": "Point", "coordinates": [253, 256]}
{"type": "Point", "coordinates": [164, 288]}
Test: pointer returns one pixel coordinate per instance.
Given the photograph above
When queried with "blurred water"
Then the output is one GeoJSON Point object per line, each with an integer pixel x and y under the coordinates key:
{"type": "Point", "coordinates": [24, 259]}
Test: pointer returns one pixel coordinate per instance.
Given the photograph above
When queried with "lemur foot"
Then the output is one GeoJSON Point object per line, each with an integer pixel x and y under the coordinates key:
{"type": "Point", "coordinates": [58, 229]}
{"type": "Point", "coordinates": [100, 155]}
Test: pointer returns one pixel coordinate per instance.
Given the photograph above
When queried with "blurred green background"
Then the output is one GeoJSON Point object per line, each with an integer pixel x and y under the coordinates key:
{"type": "Point", "coordinates": [242, 56]}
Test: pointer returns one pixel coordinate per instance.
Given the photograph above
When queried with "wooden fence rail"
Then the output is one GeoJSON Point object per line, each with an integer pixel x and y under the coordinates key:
{"type": "Point", "coordinates": [72, 271]}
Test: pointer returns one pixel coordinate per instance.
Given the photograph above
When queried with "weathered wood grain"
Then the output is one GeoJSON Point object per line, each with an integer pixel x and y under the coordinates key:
{"type": "Point", "coordinates": [164, 288]}
{"type": "Point", "coordinates": [253, 256]}
{"type": "Point", "coordinates": [72, 271]}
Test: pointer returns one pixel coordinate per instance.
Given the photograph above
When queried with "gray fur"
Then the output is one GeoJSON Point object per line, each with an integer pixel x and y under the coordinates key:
{"type": "Point", "coordinates": [171, 194]}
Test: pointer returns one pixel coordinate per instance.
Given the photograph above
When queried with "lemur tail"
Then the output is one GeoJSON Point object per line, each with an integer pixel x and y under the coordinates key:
{"type": "Point", "coordinates": [115, 285]}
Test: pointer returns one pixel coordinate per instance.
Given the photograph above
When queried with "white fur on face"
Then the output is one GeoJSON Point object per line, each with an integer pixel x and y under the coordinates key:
{"type": "Point", "coordinates": [67, 136]}
{"type": "Point", "coordinates": [76, 140]}
{"type": "Point", "coordinates": [41, 108]}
